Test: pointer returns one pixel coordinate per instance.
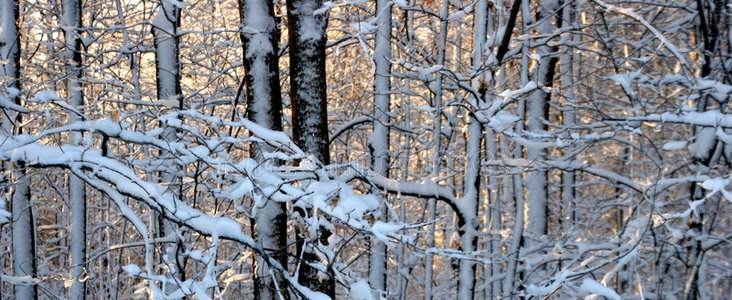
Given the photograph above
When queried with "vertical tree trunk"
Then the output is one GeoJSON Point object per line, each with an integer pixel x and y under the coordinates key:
{"type": "Point", "coordinates": [264, 106]}
{"type": "Point", "coordinates": [379, 143]}
{"type": "Point", "coordinates": [517, 241]}
{"type": "Point", "coordinates": [167, 65]}
{"type": "Point", "coordinates": [306, 30]}
{"type": "Point", "coordinates": [471, 194]}
{"type": "Point", "coordinates": [568, 70]}
{"type": "Point", "coordinates": [23, 244]}
{"type": "Point", "coordinates": [167, 74]}
{"type": "Point", "coordinates": [437, 103]}
{"type": "Point", "coordinates": [704, 146]}
{"type": "Point", "coordinates": [537, 114]}
{"type": "Point", "coordinates": [71, 21]}
{"type": "Point", "coordinates": [406, 148]}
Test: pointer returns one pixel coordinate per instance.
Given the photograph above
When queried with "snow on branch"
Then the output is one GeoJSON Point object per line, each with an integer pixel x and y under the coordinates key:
{"type": "Point", "coordinates": [330, 198]}
{"type": "Point", "coordinates": [706, 119]}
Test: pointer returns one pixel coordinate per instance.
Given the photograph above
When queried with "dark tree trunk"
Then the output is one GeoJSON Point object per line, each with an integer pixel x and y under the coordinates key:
{"type": "Point", "coordinates": [309, 115]}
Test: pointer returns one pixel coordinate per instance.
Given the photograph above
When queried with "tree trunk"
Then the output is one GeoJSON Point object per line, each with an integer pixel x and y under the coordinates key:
{"type": "Point", "coordinates": [537, 114]}
{"type": "Point", "coordinates": [471, 194]}
{"type": "Point", "coordinates": [437, 103]}
{"type": "Point", "coordinates": [264, 107]}
{"type": "Point", "coordinates": [23, 244]}
{"type": "Point", "coordinates": [167, 74]}
{"type": "Point", "coordinates": [568, 59]}
{"type": "Point", "coordinates": [517, 241]}
{"type": "Point", "coordinates": [379, 143]}
{"type": "Point", "coordinates": [71, 21]}
{"type": "Point", "coordinates": [704, 146]}
{"type": "Point", "coordinates": [306, 30]}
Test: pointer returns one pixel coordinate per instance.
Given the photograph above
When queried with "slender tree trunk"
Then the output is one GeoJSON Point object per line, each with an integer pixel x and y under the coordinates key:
{"type": "Point", "coordinates": [537, 114]}
{"type": "Point", "coordinates": [437, 102]}
{"type": "Point", "coordinates": [403, 271]}
{"type": "Point", "coordinates": [704, 146]}
{"type": "Point", "coordinates": [23, 244]}
{"type": "Point", "coordinates": [306, 30]}
{"type": "Point", "coordinates": [167, 71]}
{"type": "Point", "coordinates": [71, 21]}
{"type": "Point", "coordinates": [568, 119]}
{"type": "Point", "coordinates": [471, 194]}
{"type": "Point", "coordinates": [517, 240]}
{"type": "Point", "coordinates": [379, 143]}
{"type": "Point", "coordinates": [264, 107]}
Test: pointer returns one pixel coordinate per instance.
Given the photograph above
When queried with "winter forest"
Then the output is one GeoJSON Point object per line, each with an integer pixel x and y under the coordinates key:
{"type": "Point", "coordinates": [365, 149]}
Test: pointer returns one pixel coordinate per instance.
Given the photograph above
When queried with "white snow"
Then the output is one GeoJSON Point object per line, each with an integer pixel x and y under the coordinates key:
{"type": "Point", "coordinates": [360, 290]}
{"type": "Point", "coordinates": [502, 120]}
{"type": "Point", "coordinates": [45, 96]}
{"type": "Point", "coordinates": [715, 185]}
{"type": "Point", "coordinates": [675, 145]}
{"type": "Point", "coordinates": [132, 269]}
{"type": "Point", "coordinates": [593, 287]}
{"type": "Point", "coordinates": [4, 214]}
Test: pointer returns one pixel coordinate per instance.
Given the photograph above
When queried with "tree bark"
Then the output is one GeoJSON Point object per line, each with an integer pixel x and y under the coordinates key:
{"type": "Point", "coordinates": [379, 142]}
{"type": "Point", "coordinates": [264, 106]}
{"type": "Point", "coordinates": [71, 20]}
{"type": "Point", "coordinates": [306, 29]}
{"type": "Point", "coordinates": [167, 73]}
{"type": "Point", "coordinates": [22, 224]}
{"type": "Point", "coordinates": [537, 115]}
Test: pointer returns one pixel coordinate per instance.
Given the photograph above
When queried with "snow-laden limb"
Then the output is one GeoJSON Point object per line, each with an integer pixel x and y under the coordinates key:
{"type": "Point", "coordinates": [20, 280]}
{"type": "Point", "coordinates": [5, 103]}
{"type": "Point", "coordinates": [425, 189]}
{"type": "Point", "coordinates": [593, 287]}
{"type": "Point", "coordinates": [332, 201]}
{"type": "Point", "coordinates": [570, 165]}
{"type": "Point", "coordinates": [105, 171]}
{"type": "Point", "coordinates": [705, 119]}
{"type": "Point", "coordinates": [715, 185]}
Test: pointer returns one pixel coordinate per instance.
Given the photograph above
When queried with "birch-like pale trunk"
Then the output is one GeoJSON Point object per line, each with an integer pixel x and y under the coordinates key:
{"type": "Point", "coordinates": [403, 278]}
{"type": "Point", "coordinates": [437, 103]}
{"type": "Point", "coordinates": [264, 106]}
{"type": "Point", "coordinates": [167, 70]}
{"type": "Point", "coordinates": [536, 115]}
{"type": "Point", "coordinates": [71, 22]}
{"type": "Point", "coordinates": [568, 70]}
{"type": "Point", "coordinates": [513, 186]}
{"type": "Point", "coordinates": [517, 241]}
{"type": "Point", "coordinates": [23, 244]}
{"type": "Point", "coordinates": [490, 144]}
{"type": "Point", "coordinates": [471, 194]}
{"type": "Point", "coordinates": [307, 36]}
{"type": "Point", "coordinates": [379, 142]}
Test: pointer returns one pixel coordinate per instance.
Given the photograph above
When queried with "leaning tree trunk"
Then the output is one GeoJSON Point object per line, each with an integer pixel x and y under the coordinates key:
{"type": "Point", "coordinates": [71, 21]}
{"type": "Point", "coordinates": [22, 226]}
{"type": "Point", "coordinates": [264, 107]}
{"type": "Point", "coordinates": [306, 29]}
{"type": "Point", "coordinates": [379, 143]}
